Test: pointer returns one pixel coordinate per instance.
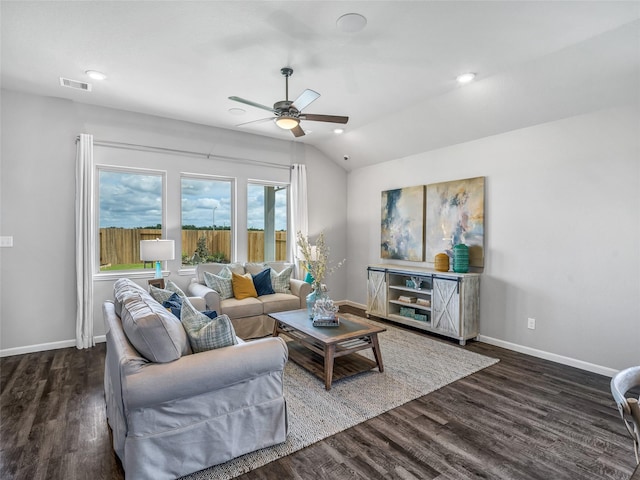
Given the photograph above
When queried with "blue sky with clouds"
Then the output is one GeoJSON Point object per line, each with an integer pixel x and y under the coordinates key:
{"type": "Point", "coordinates": [131, 200]}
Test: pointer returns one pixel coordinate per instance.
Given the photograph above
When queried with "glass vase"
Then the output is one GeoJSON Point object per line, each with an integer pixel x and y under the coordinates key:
{"type": "Point", "coordinates": [315, 295]}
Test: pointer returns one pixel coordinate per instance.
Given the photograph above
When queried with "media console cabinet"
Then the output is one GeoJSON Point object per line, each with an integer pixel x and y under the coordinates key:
{"type": "Point", "coordinates": [446, 303]}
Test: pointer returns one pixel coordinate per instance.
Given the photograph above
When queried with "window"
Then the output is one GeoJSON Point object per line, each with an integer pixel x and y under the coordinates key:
{"type": "Point", "coordinates": [206, 219]}
{"type": "Point", "coordinates": [267, 222]}
{"type": "Point", "coordinates": [130, 210]}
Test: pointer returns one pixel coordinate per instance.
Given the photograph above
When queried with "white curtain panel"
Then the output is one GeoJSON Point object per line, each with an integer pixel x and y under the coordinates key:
{"type": "Point", "coordinates": [299, 219]}
{"type": "Point", "coordinates": [85, 242]}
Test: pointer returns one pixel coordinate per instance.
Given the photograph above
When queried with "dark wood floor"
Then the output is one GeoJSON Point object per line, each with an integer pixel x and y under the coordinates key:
{"type": "Point", "coordinates": [523, 418]}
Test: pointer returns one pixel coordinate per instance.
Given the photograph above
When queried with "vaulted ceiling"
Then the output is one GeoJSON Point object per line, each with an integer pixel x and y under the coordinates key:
{"type": "Point", "coordinates": [396, 79]}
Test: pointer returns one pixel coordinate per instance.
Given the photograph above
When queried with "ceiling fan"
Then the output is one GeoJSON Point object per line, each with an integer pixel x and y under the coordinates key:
{"type": "Point", "coordinates": [287, 114]}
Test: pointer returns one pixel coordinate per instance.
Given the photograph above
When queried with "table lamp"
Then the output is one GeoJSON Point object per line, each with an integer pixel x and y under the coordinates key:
{"type": "Point", "coordinates": [157, 251]}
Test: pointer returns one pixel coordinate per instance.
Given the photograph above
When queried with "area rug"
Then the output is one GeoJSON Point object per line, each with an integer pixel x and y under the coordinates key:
{"type": "Point", "coordinates": [414, 365]}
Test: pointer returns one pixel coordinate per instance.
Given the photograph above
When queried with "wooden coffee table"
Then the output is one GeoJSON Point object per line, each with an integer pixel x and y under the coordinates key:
{"type": "Point", "coordinates": [329, 352]}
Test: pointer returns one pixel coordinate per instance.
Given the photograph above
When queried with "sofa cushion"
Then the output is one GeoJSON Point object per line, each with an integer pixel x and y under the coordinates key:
{"type": "Point", "coordinates": [247, 307]}
{"type": "Point", "coordinates": [281, 281]}
{"type": "Point", "coordinates": [122, 288]}
{"type": "Point", "coordinates": [243, 286]}
{"type": "Point", "coordinates": [206, 333]}
{"type": "Point", "coordinates": [279, 302]}
{"type": "Point", "coordinates": [262, 282]}
{"type": "Point", "coordinates": [255, 268]}
{"type": "Point", "coordinates": [153, 331]}
{"type": "Point", "coordinates": [220, 283]}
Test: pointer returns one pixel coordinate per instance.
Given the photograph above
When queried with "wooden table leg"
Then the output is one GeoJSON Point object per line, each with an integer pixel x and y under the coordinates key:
{"type": "Point", "coordinates": [275, 328]}
{"type": "Point", "coordinates": [376, 351]}
{"type": "Point", "coordinates": [329, 352]}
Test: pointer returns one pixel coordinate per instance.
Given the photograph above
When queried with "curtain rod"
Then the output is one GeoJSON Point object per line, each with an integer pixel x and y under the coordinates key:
{"type": "Point", "coordinates": [149, 148]}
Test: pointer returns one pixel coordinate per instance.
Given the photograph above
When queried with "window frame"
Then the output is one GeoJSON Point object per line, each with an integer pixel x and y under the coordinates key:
{"type": "Point", "coordinates": [137, 273]}
{"type": "Point", "coordinates": [188, 270]}
{"type": "Point", "coordinates": [269, 183]}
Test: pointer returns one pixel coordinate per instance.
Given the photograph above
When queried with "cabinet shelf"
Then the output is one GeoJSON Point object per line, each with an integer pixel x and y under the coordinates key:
{"type": "Point", "coordinates": [454, 297]}
{"type": "Point", "coordinates": [402, 288]}
{"type": "Point", "coordinates": [409, 321]}
{"type": "Point", "coordinates": [412, 305]}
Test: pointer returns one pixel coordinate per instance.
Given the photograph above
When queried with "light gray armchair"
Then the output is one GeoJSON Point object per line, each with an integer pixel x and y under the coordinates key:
{"type": "Point", "coordinates": [621, 384]}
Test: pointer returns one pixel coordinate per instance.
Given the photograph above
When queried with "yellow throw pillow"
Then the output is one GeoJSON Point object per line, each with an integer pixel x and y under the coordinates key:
{"type": "Point", "coordinates": [243, 286]}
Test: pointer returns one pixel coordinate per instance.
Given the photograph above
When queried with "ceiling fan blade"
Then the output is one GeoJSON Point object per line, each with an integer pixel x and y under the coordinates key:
{"type": "Point", "coordinates": [297, 131]}
{"type": "Point", "coordinates": [262, 120]}
{"type": "Point", "coordinates": [324, 118]}
{"type": "Point", "coordinates": [253, 104]}
{"type": "Point", "coordinates": [305, 99]}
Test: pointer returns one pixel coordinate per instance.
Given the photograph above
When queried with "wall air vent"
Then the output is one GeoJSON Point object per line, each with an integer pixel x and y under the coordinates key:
{"type": "Point", "coordinates": [78, 85]}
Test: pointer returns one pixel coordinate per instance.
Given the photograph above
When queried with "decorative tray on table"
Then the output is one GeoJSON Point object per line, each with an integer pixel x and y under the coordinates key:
{"type": "Point", "coordinates": [324, 321]}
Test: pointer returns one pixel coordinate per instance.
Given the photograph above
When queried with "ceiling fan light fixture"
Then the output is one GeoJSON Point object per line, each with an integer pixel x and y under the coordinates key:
{"type": "Point", "coordinates": [287, 123]}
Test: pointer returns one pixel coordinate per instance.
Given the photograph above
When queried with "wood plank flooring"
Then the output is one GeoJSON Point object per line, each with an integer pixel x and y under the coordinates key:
{"type": "Point", "coordinates": [523, 418]}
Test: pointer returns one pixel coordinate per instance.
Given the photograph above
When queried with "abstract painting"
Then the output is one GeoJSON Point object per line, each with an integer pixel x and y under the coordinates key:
{"type": "Point", "coordinates": [455, 214]}
{"type": "Point", "coordinates": [402, 225]}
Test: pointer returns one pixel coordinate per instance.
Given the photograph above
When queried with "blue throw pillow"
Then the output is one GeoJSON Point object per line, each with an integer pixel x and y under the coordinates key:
{"type": "Point", "coordinates": [262, 282]}
{"type": "Point", "coordinates": [173, 303]}
{"type": "Point", "coordinates": [211, 314]}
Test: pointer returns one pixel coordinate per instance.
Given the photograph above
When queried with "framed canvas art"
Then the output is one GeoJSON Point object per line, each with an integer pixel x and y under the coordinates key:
{"type": "Point", "coordinates": [455, 214]}
{"type": "Point", "coordinates": [402, 224]}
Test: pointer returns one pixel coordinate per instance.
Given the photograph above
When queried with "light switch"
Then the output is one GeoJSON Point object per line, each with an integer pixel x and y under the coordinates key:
{"type": "Point", "coordinates": [6, 241]}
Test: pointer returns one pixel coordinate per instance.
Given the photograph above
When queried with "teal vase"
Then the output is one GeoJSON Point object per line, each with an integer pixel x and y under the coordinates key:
{"type": "Point", "coordinates": [461, 258]}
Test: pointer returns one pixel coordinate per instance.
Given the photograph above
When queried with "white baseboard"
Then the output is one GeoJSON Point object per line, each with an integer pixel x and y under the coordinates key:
{"type": "Point", "coordinates": [572, 362]}
{"type": "Point", "coordinates": [41, 347]}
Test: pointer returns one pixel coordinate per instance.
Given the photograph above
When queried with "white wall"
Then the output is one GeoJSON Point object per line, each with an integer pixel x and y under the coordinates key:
{"type": "Point", "coordinates": [37, 300]}
{"type": "Point", "coordinates": [562, 226]}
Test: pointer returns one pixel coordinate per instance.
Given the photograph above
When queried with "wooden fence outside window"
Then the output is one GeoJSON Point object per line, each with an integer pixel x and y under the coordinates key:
{"type": "Point", "coordinates": [121, 246]}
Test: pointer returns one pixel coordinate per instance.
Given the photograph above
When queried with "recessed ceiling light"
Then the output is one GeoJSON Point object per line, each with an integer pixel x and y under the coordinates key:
{"type": "Point", "coordinates": [466, 77]}
{"type": "Point", "coordinates": [237, 111]}
{"type": "Point", "coordinates": [96, 75]}
{"type": "Point", "coordinates": [351, 23]}
{"type": "Point", "coordinates": [338, 131]}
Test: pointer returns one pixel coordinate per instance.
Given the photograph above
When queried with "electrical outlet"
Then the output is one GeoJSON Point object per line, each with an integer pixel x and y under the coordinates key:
{"type": "Point", "coordinates": [6, 241]}
{"type": "Point", "coordinates": [531, 323]}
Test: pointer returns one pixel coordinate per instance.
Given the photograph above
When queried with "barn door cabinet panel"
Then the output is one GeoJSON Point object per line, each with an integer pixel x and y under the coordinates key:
{"type": "Point", "coordinates": [376, 292]}
{"type": "Point", "coordinates": [446, 303]}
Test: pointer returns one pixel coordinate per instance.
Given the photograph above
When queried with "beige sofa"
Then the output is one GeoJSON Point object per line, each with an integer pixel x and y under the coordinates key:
{"type": "Point", "coordinates": [249, 316]}
{"type": "Point", "coordinates": [172, 411]}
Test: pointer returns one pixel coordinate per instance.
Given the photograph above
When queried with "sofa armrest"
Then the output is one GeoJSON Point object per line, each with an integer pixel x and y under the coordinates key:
{"type": "Point", "coordinates": [301, 289]}
{"type": "Point", "coordinates": [203, 372]}
{"type": "Point", "coordinates": [198, 303]}
{"type": "Point", "coordinates": [211, 297]}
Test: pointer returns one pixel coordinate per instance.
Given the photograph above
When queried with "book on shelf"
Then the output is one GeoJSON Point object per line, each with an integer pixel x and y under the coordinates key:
{"type": "Point", "coordinates": [424, 302]}
{"type": "Point", "coordinates": [406, 299]}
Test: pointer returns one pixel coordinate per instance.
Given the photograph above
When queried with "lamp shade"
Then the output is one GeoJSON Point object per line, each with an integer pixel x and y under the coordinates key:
{"type": "Point", "coordinates": [157, 250]}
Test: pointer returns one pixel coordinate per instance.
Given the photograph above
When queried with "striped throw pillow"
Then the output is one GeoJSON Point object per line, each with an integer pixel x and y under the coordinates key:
{"type": "Point", "coordinates": [281, 281]}
{"type": "Point", "coordinates": [206, 333]}
{"type": "Point", "coordinates": [221, 283]}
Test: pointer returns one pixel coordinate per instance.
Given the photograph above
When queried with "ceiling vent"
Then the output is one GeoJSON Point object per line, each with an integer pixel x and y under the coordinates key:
{"type": "Point", "coordinates": [78, 85]}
